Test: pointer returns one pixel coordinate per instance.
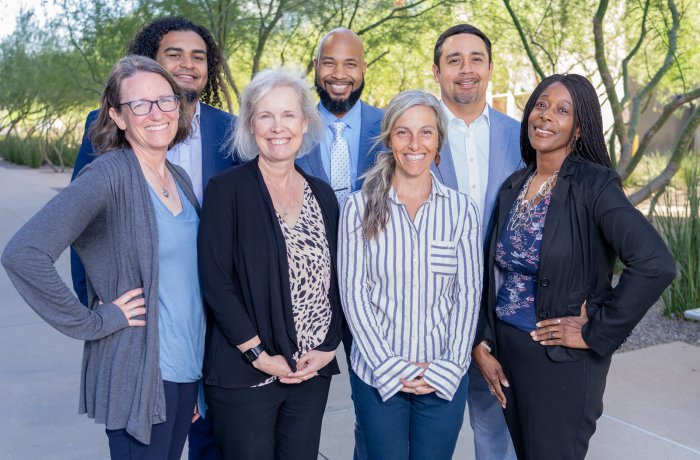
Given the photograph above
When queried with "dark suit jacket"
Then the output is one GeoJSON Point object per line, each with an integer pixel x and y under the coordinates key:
{"type": "Point", "coordinates": [589, 222]}
{"type": "Point", "coordinates": [312, 164]}
{"type": "Point", "coordinates": [504, 159]}
{"type": "Point", "coordinates": [245, 275]}
{"type": "Point", "coordinates": [214, 125]}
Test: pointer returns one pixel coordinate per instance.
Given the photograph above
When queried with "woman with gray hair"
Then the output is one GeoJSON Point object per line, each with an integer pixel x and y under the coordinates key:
{"type": "Point", "coordinates": [410, 281]}
{"type": "Point", "coordinates": [132, 218]}
{"type": "Point", "coordinates": [267, 246]}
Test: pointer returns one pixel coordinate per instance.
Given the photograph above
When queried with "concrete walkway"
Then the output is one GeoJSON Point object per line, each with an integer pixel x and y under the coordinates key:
{"type": "Point", "coordinates": [652, 403]}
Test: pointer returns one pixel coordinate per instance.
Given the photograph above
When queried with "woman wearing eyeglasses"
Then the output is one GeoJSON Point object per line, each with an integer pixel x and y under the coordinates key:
{"type": "Point", "coordinates": [132, 218]}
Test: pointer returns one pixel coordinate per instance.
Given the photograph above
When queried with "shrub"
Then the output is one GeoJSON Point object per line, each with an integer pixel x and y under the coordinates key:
{"type": "Point", "coordinates": [34, 151]}
{"type": "Point", "coordinates": [678, 222]}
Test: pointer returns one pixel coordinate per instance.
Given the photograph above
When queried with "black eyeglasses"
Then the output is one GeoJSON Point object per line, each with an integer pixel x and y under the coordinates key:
{"type": "Point", "coordinates": [144, 106]}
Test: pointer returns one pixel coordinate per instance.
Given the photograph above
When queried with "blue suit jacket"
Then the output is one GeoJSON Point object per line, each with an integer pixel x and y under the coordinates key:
{"type": "Point", "coordinates": [214, 125]}
{"type": "Point", "coordinates": [312, 164]}
{"type": "Point", "coordinates": [504, 159]}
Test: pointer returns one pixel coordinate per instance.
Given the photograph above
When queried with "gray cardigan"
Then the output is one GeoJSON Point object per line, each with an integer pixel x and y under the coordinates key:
{"type": "Point", "coordinates": [107, 214]}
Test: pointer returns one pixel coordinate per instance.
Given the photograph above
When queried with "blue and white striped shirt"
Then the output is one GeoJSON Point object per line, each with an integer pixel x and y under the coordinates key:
{"type": "Point", "coordinates": [411, 295]}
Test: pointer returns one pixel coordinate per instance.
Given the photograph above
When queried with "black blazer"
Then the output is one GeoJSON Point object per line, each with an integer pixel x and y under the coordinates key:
{"type": "Point", "coordinates": [245, 275]}
{"type": "Point", "coordinates": [589, 223]}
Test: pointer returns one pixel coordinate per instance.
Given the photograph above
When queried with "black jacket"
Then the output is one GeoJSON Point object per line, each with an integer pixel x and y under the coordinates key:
{"type": "Point", "coordinates": [245, 275]}
{"type": "Point", "coordinates": [589, 223]}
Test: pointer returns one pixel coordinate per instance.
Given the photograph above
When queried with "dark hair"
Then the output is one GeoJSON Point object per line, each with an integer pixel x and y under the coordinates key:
{"type": "Point", "coordinates": [456, 30]}
{"type": "Point", "coordinates": [147, 41]}
{"type": "Point", "coordinates": [104, 132]}
{"type": "Point", "coordinates": [590, 145]}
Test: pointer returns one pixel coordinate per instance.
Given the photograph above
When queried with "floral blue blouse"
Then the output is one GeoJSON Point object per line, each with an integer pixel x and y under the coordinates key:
{"type": "Point", "coordinates": [518, 258]}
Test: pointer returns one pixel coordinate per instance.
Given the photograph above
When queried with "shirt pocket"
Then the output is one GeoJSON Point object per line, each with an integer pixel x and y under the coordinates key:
{"type": "Point", "coordinates": [443, 257]}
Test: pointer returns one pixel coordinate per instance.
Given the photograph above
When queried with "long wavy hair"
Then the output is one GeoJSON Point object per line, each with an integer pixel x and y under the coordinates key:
{"type": "Point", "coordinates": [377, 180]}
{"type": "Point", "coordinates": [147, 41]}
{"type": "Point", "coordinates": [104, 132]}
{"type": "Point", "coordinates": [590, 145]}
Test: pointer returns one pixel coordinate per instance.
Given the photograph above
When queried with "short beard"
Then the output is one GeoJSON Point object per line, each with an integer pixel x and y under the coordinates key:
{"type": "Point", "coordinates": [338, 106]}
{"type": "Point", "coordinates": [190, 95]}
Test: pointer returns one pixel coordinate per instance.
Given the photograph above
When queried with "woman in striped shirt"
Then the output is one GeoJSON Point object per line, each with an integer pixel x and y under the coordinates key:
{"type": "Point", "coordinates": [410, 268]}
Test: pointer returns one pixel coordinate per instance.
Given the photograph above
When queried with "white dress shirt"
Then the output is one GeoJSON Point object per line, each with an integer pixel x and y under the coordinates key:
{"type": "Point", "coordinates": [411, 295]}
{"type": "Point", "coordinates": [470, 145]}
{"type": "Point", "coordinates": [188, 155]}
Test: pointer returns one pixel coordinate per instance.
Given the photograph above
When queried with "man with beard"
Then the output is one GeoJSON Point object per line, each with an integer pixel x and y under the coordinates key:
{"type": "Point", "coordinates": [351, 129]}
{"type": "Point", "coordinates": [190, 54]}
{"type": "Point", "coordinates": [481, 151]}
{"type": "Point", "coordinates": [351, 125]}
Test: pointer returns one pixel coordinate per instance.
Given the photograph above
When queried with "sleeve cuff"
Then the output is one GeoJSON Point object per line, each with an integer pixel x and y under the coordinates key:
{"type": "Point", "coordinates": [387, 376]}
{"type": "Point", "coordinates": [445, 377]}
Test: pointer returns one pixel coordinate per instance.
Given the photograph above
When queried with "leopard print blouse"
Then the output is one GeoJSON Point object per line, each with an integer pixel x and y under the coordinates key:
{"type": "Point", "coordinates": [309, 261]}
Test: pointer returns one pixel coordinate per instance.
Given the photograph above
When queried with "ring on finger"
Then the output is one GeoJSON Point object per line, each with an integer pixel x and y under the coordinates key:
{"type": "Point", "coordinates": [131, 313]}
{"type": "Point", "coordinates": [551, 336]}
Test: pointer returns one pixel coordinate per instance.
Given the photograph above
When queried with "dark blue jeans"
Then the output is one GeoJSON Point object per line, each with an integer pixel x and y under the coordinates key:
{"type": "Point", "coordinates": [167, 438]}
{"type": "Point", "coordinates": [406, 426]}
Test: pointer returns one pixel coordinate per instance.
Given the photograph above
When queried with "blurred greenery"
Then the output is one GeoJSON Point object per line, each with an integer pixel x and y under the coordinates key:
{"type": "Point", "coordinates": [646, 50]}
{"type": "Point", "coordinates": [678, 220]}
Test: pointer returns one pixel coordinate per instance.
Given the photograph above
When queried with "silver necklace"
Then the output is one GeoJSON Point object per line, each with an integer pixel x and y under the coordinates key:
{"type": "Point", "coordinates": [524, 210]}
{"type": "Point", "coordinates": [163, 188]}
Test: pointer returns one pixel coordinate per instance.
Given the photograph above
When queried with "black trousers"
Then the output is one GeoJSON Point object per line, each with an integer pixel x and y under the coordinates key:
{"type": "Point", "coordinates": [167, 438]}
{"type": "Point", "coordinates": [275, 421]}
{"type": "Point", "coordinates": [552, 406]}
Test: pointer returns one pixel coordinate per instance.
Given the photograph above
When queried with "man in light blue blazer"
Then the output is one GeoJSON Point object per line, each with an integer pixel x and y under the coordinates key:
{"type": "Point", "coordinates": [190, 54]}
{"type": "Point", "coordinates": [339, 80]}
{"type": "Point", "coordinates": [481, 151]}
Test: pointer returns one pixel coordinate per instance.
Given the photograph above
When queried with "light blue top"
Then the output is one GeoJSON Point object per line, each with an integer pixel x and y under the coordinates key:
{"type": "Point", "coordinates": [353, 120]}
{"type": "Point", "coordinates": [181, 320]}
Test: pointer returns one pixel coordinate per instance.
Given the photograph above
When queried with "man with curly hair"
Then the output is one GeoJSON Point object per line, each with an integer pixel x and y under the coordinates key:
{"type": "Point", "coordinates": [190, 54]}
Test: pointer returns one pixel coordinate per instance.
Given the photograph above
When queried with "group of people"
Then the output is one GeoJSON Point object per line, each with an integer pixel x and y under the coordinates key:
{"type": "Point", "coordinates": [461, 258]}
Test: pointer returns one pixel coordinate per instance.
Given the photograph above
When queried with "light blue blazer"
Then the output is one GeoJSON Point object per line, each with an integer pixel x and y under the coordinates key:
{"type": "Point", "coordinates": [504, 159]}
{"type": "Point", "coordinates": [312, 163]}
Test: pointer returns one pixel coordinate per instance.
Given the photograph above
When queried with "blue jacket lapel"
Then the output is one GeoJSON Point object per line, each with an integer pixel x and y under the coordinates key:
{"type": "Point", "coordinates": [445, 172]}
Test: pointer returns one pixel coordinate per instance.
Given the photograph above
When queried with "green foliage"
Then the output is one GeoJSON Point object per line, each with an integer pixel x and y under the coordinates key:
{"type": "Point", "coordinates": [35, 151]}
{"type": "Point", "coordinates": [679, 223]}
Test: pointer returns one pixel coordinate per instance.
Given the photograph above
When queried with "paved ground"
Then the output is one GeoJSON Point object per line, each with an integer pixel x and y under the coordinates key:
{"type": "Point", "coordinates": [652, 404]}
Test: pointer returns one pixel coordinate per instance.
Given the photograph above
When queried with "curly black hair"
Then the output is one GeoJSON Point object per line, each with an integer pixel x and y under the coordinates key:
{"type": "Point", "coordinates": [147, 41]}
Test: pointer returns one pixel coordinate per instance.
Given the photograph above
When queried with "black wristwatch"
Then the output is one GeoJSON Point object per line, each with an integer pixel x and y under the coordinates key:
{"type": "Point", "coordinates": [253, 354]}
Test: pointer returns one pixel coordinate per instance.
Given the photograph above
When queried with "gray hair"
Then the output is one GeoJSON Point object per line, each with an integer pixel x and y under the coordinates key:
{"type": "Point", "coordinates": [104, 133]}
{"type": "Point", "coordinates": [378, 179]}
{"type": "Point", "coordinates": [242, 140]}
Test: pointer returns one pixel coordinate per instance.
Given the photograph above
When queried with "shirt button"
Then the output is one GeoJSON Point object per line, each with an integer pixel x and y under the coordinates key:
{"type": "Point", "coordinates": [543, 315]}
{"type": "Point", "coordinates": [544, 282]}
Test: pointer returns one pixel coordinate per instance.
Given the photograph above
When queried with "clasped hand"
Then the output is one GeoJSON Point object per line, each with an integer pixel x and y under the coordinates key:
{"type": "Point", "coordinates": [417, 385]}
{"type": "Point", "coordinates": [307, 366]}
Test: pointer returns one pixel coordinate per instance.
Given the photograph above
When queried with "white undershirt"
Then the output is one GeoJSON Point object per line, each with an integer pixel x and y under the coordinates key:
{"type": "Point", "coordinates": [188, 155]}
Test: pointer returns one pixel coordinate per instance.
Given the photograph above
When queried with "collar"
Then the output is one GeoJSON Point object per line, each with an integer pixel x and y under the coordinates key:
{"type": "Point", "coordinates": [353, 118]}
{"type": "Point", "coordinates": [436, 189]}
{"type": "Point", "coordinates": [452, 118]}
{"type": "Point", "coordinates": [195, 134]}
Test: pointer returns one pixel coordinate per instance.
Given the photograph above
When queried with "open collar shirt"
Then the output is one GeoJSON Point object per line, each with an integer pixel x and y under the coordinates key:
{"type": "Point", "coordinates": [188, 155]}
{"type": "Point", "coordinates": [411, 295]}
{"type": "Point", "coordinates": [469, 144]}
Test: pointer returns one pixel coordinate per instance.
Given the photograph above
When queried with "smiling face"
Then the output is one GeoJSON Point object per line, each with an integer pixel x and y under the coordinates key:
{"type": "Point", "coordinates": [340, 71]}
{"type": "Point", "coordinates": [279, 124]}
{"type": "Point", "coordinates": [184, 55]}
{"type": "Point", "coordinates": [151, 133]}
{"type": "Point", "coordinates": [414, 142]}
{"type": "Point", "coordinates": [550, 125]}
{"type": "Point", "coordinates": [464, 71]}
